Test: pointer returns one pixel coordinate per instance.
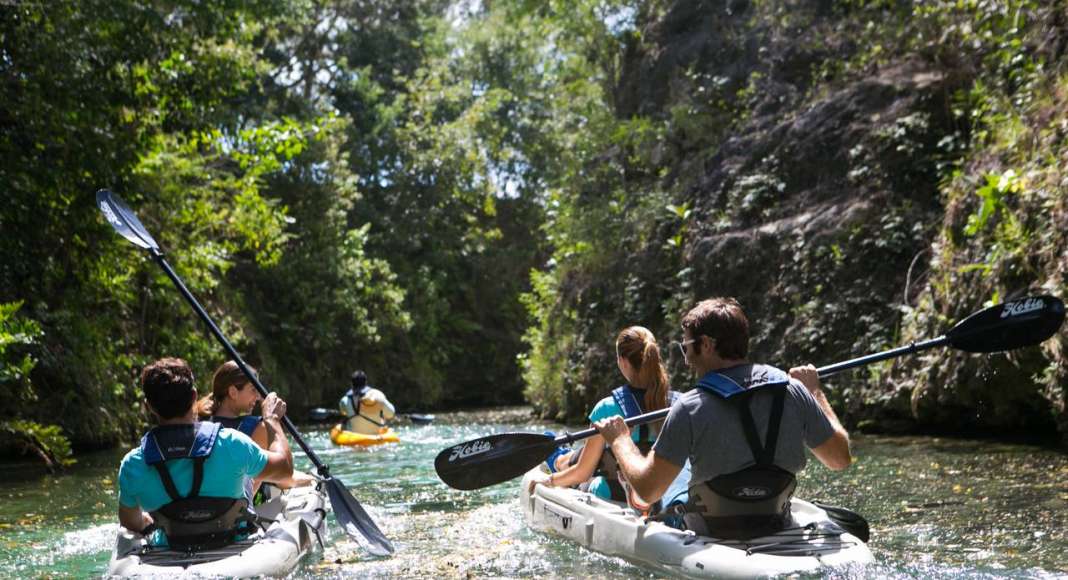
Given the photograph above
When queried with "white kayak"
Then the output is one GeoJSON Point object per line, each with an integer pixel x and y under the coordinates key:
{"type": "Point", "coordinates": [614, 529]}
{"type": "Point", "coordinates": [299, 516]}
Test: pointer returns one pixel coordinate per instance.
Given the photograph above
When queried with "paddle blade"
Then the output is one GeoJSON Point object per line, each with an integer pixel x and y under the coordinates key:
{"type": "Point", "coordinates": [420, 419]}
{"type": "Point", "coordinates": [321, 414]}
{"type": "Point", "coordinates": [848, 520]}
{"type": "Point", "coordinates": [490, 460]}
{"type": "Point", "coordinates": [123, 219]}
{"type": "Point", "coordinates": [1007, 326]}
{"type": "Point", "coordinates": [355, 521]}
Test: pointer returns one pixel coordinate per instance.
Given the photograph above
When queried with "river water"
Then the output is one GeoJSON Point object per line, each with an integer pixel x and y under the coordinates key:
{"type": "Point", "coordinates": [939, 508]}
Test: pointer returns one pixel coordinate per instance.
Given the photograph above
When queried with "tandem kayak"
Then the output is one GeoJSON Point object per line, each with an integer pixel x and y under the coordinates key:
{"type": "Point", "coordinates": [815, 544]}
{"type": "Point", "coordinates": [299, 516]}
{"type": "Point", "coordinates": [342, 437]}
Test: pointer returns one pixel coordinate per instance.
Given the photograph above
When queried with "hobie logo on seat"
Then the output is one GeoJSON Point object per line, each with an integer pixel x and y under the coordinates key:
{"type": "Point", "coordinates": [1022, 307]}
{"type": "Point", "coordinates": [751, 492]}
{"type": "Point", "coordinates": [462, 451]}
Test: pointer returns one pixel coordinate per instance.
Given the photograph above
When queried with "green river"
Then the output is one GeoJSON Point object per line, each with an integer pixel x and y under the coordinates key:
{"type": "Point", "coordinates": [939, 508]}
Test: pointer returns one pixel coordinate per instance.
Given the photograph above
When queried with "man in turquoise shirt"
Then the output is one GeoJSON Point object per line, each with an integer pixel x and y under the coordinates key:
{"type": "Point", "coordinates": [170, 396]}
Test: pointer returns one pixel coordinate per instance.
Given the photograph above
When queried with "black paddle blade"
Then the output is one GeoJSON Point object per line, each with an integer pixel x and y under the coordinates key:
{"type": "Point", "coordinates": [848, 520]}
{"type": "Point", "coordinates": [355, 521]}
{"type": "Point", "coordinates": [490, 460]}
{"type": "Point", "coordinates": [420, 419]}
{"type": "Point", "coordinates": [321, 414]}
{"type": "Point", "coordinates": [1015, 324]}
{"type": "Point", "coordinates": [123, 219]}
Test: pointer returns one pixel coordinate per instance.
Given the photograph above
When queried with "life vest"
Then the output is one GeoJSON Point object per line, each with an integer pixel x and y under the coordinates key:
{"type": "Point", "coordinates": [192, 522]}
{"type": "Point", "coordinates": [246, 424]}
{"type": "Point", "coordinates": [629, 400]}
{"type": "Point", "coordinates": [754, 501]}
{"type": "Point", "coordinates": [352, 408]}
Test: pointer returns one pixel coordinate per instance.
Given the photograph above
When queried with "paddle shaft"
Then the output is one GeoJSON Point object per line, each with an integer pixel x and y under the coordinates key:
{"type": "Point", "coordinates": [157, 255]}
{"type": "Point", "coordinates": [822, 371]}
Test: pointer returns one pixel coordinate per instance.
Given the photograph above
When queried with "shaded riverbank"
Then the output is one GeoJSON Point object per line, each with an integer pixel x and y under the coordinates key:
{"type": "Point", "coordinates": [939, 508]}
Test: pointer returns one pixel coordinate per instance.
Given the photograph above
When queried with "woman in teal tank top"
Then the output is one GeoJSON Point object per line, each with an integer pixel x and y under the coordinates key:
{"type": "Point", "coordinates": [638, 359]}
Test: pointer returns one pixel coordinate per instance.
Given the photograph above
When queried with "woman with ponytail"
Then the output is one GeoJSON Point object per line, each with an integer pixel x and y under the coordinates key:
{"type": "Point", "coordinates": [230, 403]}
{"type": "Point", "coordinates": [647, 390]}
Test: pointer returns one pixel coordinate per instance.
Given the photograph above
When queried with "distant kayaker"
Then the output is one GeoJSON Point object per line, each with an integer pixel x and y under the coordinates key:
{"type": "Point", "coordinates": [366, 409]}
{"type": "Point", "coordinates": [230, 404]}
{"type": "Point", "coordinates": [184, 469]}
{"type": "Point", "coordinates": [647, 389]}
{"type": "Point", "coordinates": [745, 442]}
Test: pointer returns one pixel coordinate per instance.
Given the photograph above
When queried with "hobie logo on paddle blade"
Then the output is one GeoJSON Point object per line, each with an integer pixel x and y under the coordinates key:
{"type": "Point", "coordinates": [462, 451]}
{"type": "Point", "coordinates": [1022, 307]}
{"type": "Point", "coordinates": [110, 215]}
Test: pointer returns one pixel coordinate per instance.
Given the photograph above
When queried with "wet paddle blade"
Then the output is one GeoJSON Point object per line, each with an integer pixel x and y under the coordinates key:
{"type": "Point", "coordinates": [491, 460]}
{"type": "Point", "coordinates": [1007, 326]}
{"type": "Point", "coordinates": [848, 520]}
{"type": "Point", "coordinates": [355, 521]}
{"type": "Point", "coordinates": [123, 219]}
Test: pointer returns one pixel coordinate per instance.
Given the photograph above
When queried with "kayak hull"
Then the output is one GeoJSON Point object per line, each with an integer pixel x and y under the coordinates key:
{"type": "Point", "coordinates": [340, 436]}
{"type": "Point", "coordinates": [300, 523]}
{"type": "Point", "coordinates": [617, 530]}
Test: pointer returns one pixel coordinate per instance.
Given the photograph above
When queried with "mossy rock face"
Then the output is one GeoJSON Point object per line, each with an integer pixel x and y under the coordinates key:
{"type": "Point", "coordinates": [820, 161]}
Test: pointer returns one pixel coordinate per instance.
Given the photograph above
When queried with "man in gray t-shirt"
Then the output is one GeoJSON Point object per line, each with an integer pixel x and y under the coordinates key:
{"type": "Point", "coordinates": [705, 429]}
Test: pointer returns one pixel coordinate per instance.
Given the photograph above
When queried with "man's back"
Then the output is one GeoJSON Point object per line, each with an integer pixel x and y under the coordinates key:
{"type": "Point", "coordinates": [707, 429]}
{"type": "Point", "coordinates": [233, 458]}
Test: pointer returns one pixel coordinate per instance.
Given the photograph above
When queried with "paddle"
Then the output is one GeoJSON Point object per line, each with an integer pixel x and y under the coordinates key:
{"type": "Point", "coordinates": [497, 458]}
{"type": "Point", "coordinates": [321, 414]}
{"type": "Point", "coordinates": [349, 513]}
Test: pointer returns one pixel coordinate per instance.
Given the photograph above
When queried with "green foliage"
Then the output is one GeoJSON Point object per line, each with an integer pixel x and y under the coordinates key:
{"type": "Point", "coordinates": [45, 441]}
{"type": "Point", "coordinates": [18, 335]}
{"type": "Point", "coordinates": [463, 198]}
{"type": "Point", "coordinates": [991, 195]}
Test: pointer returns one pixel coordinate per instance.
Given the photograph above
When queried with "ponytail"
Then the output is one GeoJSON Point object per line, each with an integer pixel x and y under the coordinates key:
{"type": "Point", "coordinates": [204, 406]}
{"type": "Point", "coordinates": [652, 377]}
{"type": "Point", "coordinates": [638, 346]}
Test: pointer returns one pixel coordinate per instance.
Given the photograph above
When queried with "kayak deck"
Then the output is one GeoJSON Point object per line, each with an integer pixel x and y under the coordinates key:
{"type": "Point", "coordinates": [300, 524]}
{"type": "Point", "coordinates": [614, 529]}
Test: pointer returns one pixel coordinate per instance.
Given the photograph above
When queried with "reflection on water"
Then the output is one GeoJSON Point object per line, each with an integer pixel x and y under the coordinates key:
{"type": "Point", "coordinates": [939, 508]}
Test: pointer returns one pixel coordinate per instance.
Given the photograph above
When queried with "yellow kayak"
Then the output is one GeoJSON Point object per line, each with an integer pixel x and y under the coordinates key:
{"type": "Point", "coordinates": [341, 437]}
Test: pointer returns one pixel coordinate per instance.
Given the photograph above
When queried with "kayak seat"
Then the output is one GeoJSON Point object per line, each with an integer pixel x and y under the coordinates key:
{"type": "Point", "coordinates": [745, 504]}
{"type": "Point", "coordinates": [199, 523]}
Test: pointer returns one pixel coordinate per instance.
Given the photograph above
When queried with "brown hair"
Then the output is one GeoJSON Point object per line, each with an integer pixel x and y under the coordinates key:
{"type": "Point", "coordinates": [638, 346]}
{"type": "Point", "coordinates": [227, 375]}
{"type": "Point", "coordinates": [722, 320]}
{"type": "Point", "coordinates": [166, 384]}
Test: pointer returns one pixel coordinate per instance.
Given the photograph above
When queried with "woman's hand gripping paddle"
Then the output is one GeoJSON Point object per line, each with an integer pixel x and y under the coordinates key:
{"type": "Point", "coordinates": [497, 458]}
{"type": "Point", "coordinates": [349, 513]}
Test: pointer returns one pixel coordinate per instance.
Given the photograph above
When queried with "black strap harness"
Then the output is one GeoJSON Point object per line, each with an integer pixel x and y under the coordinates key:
{"type": "Point", "coordinates": [754, 501]}
{"type": "Point", "coordinates": [356, 401]}
{"type": "Point", "coordinates": [193, 522]}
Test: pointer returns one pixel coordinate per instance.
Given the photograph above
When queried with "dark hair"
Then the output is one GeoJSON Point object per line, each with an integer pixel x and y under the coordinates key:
{"type": "Point", "coordinates": [638, 346]}
{"type": "Point", "coordinates": [166, 384]}
{"type": "Point", "coordinates": [359, 379]}
{"type": "Point", "coordinates": [722, 320]}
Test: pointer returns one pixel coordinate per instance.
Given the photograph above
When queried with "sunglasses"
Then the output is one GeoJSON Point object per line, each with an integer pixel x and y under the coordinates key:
{"type": "Point", "coordinates": [681, 345]}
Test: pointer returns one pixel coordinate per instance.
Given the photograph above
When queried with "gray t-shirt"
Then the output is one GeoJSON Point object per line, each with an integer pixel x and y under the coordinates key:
{"type": "Point", "coordinates": [707, 430]}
